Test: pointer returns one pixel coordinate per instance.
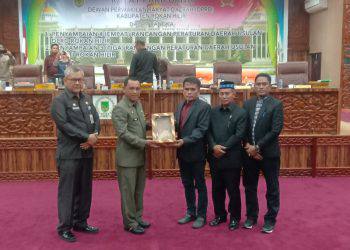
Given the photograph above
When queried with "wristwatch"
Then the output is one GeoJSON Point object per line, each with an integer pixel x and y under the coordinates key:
{"type": "Point", "coordinates": [257, 148]}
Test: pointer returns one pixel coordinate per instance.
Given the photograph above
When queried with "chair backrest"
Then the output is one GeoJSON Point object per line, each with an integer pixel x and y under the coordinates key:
{"type": "Point", "coordinates": [178, 72]}
{"type": "Point", "coordinates": [293, 73]}
{"type": "Point", "coordinates": [27, 73]}
{"type": "Point", "coordinates": [89, 75]}
{"type": "Point", "coordinates": [229, 71]}
{"type": "Point", "coordinates": [114, 73]}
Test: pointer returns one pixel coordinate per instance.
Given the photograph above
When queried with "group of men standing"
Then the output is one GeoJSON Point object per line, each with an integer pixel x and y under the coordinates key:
{"type": "Point", "coordinates": [229, 137]}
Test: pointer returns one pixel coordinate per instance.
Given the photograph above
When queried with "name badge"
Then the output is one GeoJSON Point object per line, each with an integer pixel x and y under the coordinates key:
{"type": "Point", "coordinates": [92, 119]}
{"type": "Point", "coordinates": [75, 106]}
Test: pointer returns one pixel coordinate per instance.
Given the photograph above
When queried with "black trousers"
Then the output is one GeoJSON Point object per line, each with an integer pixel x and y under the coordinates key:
{"type": "Point", "coordinates": [74, 192]}
{"type": "Point", "coordinates": [270, 168]}
{"type": "Point", "coordinates": [192, 177]}
{"type": "Point", "coordinates": [226, 180]}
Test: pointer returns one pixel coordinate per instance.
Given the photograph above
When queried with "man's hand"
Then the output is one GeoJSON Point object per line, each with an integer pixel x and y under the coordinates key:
{"type": "Point", "coordinates": [250, 149]}
{"type": "Point", "coordinates": [92, 139]}
{"type": "Point", "coordinates": [152, 144]}
{"type": "Point", "coordinates": [85, 145]}
{"type": "Point", "coordinates": [179, 143]}
{"type": "Point", "coordinates": [253, 152]}
{"type": "Point", "coordinates": [219, 151]}
{"type": "Point", "coordinates": [258, 157]}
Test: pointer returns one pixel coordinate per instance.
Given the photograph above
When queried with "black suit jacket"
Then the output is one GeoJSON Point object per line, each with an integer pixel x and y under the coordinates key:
{"type": "Point", "coordinates": [194, 131]}
{"type": "Point", "coordinates": [75, 119]}
{"type": "Point", "coordinates": [268, 126]}
{"type": "Point", "coordinates": [142, 66]}
{"type": "Point", "coordinates": [233, 130]}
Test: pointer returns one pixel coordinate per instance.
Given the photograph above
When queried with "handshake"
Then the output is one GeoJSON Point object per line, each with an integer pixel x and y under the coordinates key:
{"type": "Point", "coordinates": [92, 140]}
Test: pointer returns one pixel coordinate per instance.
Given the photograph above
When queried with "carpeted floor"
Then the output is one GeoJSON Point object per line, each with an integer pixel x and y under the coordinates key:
{"type": "Point", "coordinates": [314, 215]}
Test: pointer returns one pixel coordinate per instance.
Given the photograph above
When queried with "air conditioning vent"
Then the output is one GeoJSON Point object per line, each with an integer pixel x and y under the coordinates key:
{"type": "Point", "coordinates": [314, 6]}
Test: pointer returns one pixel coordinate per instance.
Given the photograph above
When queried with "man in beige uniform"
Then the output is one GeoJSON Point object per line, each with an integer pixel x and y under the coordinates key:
{"type": "Point", "coordinates": [130, 125]}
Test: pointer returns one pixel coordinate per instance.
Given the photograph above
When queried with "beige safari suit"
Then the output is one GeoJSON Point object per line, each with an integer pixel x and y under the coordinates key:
{"type": "Point", "coordinates": [130, 126]}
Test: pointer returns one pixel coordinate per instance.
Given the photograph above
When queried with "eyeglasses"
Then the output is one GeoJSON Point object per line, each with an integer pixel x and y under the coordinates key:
{"type": "Point", "coordinates": [74, 80]}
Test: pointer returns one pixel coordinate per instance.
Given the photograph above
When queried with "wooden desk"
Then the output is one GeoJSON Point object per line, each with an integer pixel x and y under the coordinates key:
{"type": "Point", "coordinates": [28, 135]}
{"type": "Point", "coordinates": [306, 111]}
{"type": "Point", "coordinates": [26, 114]}
{"type": "Point", "coordinates": [310, 111]}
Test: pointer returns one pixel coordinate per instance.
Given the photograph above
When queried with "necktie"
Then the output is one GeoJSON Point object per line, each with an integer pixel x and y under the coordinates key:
{"type": "Point", "coordinates": [258, 106]}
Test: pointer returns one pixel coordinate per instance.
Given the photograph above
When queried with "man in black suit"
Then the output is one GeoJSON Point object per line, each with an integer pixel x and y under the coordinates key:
{"type": "Point", "coordinates": [78, 125]}
{"type": "Point", "coordinates": [192, 122]}
{"type": "Point", "coordinates": [265, 123]}
{"type": "Point", "coordinates": [143, 64]}
{"type": "Point", "coordinates": [226, 132]}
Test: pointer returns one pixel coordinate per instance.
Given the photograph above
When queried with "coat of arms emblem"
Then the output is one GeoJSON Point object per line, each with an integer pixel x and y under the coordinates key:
{"type": "Point", "coordinates": [79, 3]}
{"type": "Point", "coordinates": [105, 106]}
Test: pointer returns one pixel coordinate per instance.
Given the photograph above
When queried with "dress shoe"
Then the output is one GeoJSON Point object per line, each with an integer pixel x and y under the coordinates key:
{"type": "Point", "coordinates": [233, 225]}
{"type": "Point", "coordinates": [86, 229]}
{"type": "Point", "coordinates": [249, 223]}
{"type": "Point", "coordinates": [199, 222]}
{"type": "Point", "coordinates": [144, 224]}
{"type": "Point", "coordinates": [217, 221]}
{"type": "Point", "coordinates": [268, 228]}
{"type": "Point", "coordinates": [188, 218]}
{"type": "Point", "coordinates": [67, 236]}
{"type": "Point", "coordinates": [135, 230]}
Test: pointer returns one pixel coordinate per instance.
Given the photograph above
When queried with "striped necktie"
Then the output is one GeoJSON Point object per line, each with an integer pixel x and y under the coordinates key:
{"type": "Point", "coordinates": [258, 106]}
